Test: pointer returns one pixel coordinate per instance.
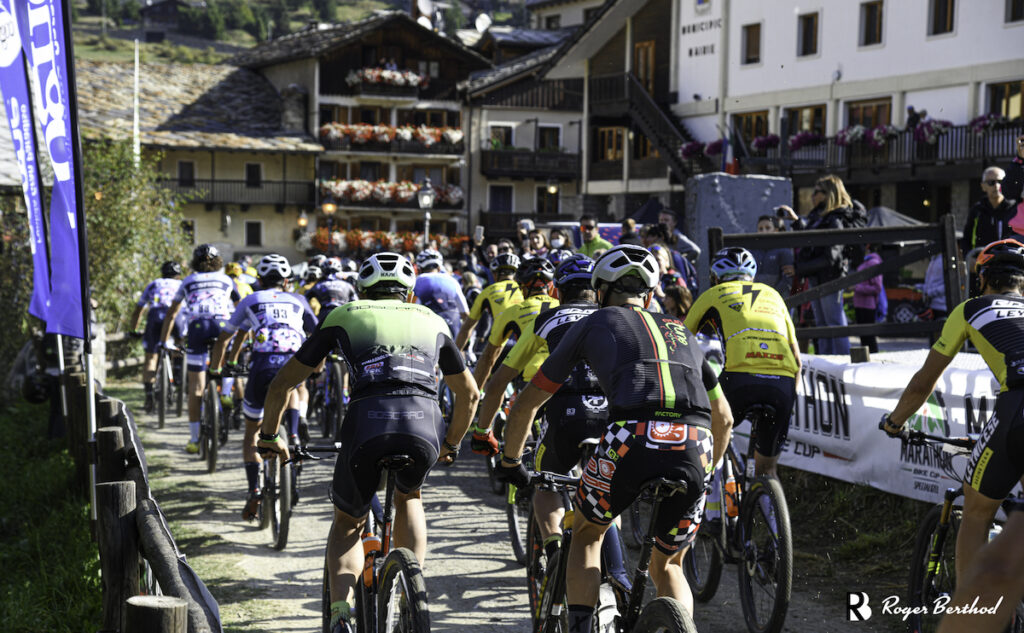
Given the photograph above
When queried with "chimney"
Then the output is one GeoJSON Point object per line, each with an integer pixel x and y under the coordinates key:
{"type": "Point", "coordinates": [293, 109]}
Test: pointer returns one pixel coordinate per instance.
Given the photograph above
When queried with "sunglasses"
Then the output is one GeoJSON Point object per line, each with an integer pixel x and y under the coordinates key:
{"type": "Point", "coordinates": [587, 227]}
{"type": "Point", "coordinates": [992, 183]}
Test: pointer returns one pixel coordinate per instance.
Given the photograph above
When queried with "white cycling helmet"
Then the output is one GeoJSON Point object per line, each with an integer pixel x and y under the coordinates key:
{"type": "Point", "coordinates": [386, 268]}
{"type": "Point", "coordinates": [733, 262]}
{"type": "Point", "coordinates": [427, 258]}
{"type": "Point", "coordinates": [274, 266]}
{"type": "Point", "coordinates": [623, 261]}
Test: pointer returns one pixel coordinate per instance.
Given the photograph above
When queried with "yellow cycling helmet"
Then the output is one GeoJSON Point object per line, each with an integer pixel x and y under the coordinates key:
{"type": "Point", "coordinates": [233, 269]}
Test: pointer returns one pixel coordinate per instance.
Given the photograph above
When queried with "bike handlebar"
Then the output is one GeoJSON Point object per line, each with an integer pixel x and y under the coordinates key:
{"type": "Point", "coordinates": [306, 452]}
{"type": "Point", "coordinates": [920, 438]}
{"type": "Point", "coordinates": [546, 479]}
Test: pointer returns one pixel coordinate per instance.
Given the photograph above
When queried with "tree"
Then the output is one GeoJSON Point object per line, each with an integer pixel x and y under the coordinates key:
{"type": "Point", "coordinates": [326, 9]}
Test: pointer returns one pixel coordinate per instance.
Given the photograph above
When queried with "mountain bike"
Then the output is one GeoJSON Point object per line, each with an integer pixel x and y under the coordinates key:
{"type": "Point", "coordinates": [213, 423]}
{"type": "Point", "coordinates": [519, 502]}
{"type": "Point", "coordinates": [629, 615]}
{"type": "Point", "coordinates": [327, 397]}
{"type": "Point", "coordinates": [933, 566]}
{"type": "Point", "coordinates": [170, 382]}
{"type": "Point", "coordinates": [391, 594]}
{"type": "Point", "coordinates": [754, 533]}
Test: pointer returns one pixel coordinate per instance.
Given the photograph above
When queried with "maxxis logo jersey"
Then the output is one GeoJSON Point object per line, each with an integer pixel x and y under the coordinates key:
{"type": "Point", "coordinates": [753, 322]}
{"type": "Point", "coordinates": [496, 298]}
{"type": "Point", "coordinates": [995, 325]}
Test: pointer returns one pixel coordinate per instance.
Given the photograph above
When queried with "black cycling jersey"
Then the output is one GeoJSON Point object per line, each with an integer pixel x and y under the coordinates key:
{"type": "Point", "coordinates": [332, 292]}
{"type": "Point", "coordinates": [552, 325]}
{"type": "Point", "coordinates": [648, 364]}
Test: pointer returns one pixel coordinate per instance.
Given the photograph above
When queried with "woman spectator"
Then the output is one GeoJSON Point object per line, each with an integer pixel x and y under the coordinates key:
{"type": "Point", "coordinates": [560, 240]}
{"type": "Point", "coordinates": [677, 301]}
{"type": "Point", "coordinates": [865, 298]}
{"type": "Point", "coordinates": [774, 265]}
{"type": "Point", "coordinates": [536, 244]}
{"type": "Point", "coordinates": [821, 264]}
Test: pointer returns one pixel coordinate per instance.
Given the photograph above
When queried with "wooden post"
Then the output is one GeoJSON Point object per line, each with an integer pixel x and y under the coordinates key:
{"type": "Point", "coordinates": [118, 540]}
{"type": "Point", "coordinates": [715, 241]}
{"type": "Point", "coordinates": [110, 465]}
{"type": "Point", "coordinates": [950, 263]}
{"type": "Point", "coordinates": [106, 411]}
{"type": "Point", "coordinates": [78, 430]}
{"type": "Point", "coordinates": [156, 614]}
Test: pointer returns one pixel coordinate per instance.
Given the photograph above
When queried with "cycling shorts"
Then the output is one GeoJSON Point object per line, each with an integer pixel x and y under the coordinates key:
{"type": "Point", "coordinates": [262, 370]}
{"type": "Point", "coordinates": [379, 426]}
{"type": "Point", "coordinates": [997, 462]}
{"type": "Point", "coordinates": [744, 390]}
{"type": "Point", "coordinates": [632, 453]}
{"type": "Point", "coordinates": [571, 420]}
{"type": "Point", "coordinates": [202, 333]}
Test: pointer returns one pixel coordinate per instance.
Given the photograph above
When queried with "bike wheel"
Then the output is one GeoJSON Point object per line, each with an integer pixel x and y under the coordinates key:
{"type": "Point", "coordinates": [325, 599]}
{"type": "Point", "coordinates": [536, 566]}
{"type": "Point", "coordinates": [161, 389]}
{"type": "Point", "coordinates": [334, 407]}
{"type": "Point", "coordinates": [178, 367]}
{"type": "Point", "coordinates": [664, 615]}
{"type": "Point", "coordinates": [267, 500]}
{"type": "Point", "coordinates": [766, 570]}
{"type": "Point", "coordinates": [281, 511]}
{"type": "Point", "coordinates": [553, 613]}
{"type": "Point", "coordinates": [924, 591]}
{"type": "Point", "coordinates": [517, 509]}
{"type": "Point", "coordinates": [639, 518]}
{"type": "Point", "coordinates": [402, 596]}
{"type": "Point", "coordinates": [210, 433]}
{"type": "Point", "coordinates": [497, 487]}
{"type": "Point", "coordinates": [702, 566]}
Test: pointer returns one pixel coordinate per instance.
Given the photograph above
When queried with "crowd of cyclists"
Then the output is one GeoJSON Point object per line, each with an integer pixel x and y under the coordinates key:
{"type": "Point", "coordinates": [600, 341]}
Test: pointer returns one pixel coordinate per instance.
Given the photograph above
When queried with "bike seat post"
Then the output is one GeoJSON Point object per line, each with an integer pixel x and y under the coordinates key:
{"type": "Point", "coordinates": [392, 464]}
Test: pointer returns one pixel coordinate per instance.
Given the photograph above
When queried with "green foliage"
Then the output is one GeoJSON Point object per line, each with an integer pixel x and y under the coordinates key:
{"type": "Point", "coordinates": [133, 227]}
{"type": "Point", "coordinates": [208, 22]}
{"type": "Point", "coordinates": [279, 15]}
{"type": "Point", "coordinates": [51, 579]}
{"type": "Point", "coordinates": [454, 19]}
{"type": "Point", "coordinates": [326, 9]}
{"type": "Point", "coordinates": [15, 280]}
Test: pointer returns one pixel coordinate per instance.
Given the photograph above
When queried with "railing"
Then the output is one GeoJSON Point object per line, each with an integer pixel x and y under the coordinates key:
{"type": "Point", "coordinates": [386, 90]}
{"type": "Point", "coordinates": [529, 164]}
{"type": "Point", "coordinates": [606, 170]}
{"type": "Point", "coordinates": [394, 147]}
{"type": "Point", "coordinates": [242, 192]}
{"type": "Point", "coordinates": [608, 90]}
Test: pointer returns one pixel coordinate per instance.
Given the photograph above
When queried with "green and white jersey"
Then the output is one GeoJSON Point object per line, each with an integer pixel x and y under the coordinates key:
{"type": "Point", "coordinates": [391, 348]}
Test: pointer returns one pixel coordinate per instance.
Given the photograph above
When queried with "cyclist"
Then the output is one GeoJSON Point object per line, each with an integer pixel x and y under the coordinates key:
{"type": "Point", "coordinates": [493, 299]}
{"type": "Point", "coordinates": [762, 357]}
{"type": "Point", "coordinates": [157, 296]}
{"type": "Point", "coordinates": [534, 277]}
{"type": "Point", "coordinates": [394, 349]}
{"type": "Point", "coordinates": [209, 297]}
{"type": "Point", "coordinates": [332, 291]}
{"type": "Point", "coordinates": [994, 323]}
{"type": "Point", "coordinates": [668, 419]}
{"type": "Point", "coordinates": [237, 274]}
{"type": "Point", "coordinates": [556, 257]}
{"type": "Point", "coordinates": [438, 290]}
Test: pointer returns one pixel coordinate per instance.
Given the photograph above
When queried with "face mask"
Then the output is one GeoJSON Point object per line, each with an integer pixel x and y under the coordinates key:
{"type": "Point", "coordinates": [557, 242]}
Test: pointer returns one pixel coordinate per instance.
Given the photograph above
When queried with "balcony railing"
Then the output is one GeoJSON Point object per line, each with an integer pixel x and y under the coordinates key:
{"type": "Point", "coordinates": [394, 147]}
{"type": "Point", "coordinates": [496, 163]}
{"type": "Point", "coordinates": [606, 170]}
{"type": "Point", "coordinates": [243, 192]}
{"type": "Point", "coordinates": [386, 90]}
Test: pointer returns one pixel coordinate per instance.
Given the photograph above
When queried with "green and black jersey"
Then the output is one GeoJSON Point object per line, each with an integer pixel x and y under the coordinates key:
{"type": "Point", "coordinates": [391, 348]}
{"type": "Point", "coordinates": [995, 325]}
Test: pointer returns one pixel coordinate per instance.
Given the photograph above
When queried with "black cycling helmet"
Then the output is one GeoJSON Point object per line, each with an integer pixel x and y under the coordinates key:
{"type": "Point", "coordinates": [1004, 255]}
{"type": "Point", "coordinates": [505, 261]}
{"type": "Point", "coordinates": [205, 251]}
{"type": "Point", "coordinates": [533, 270]}
{"type": "Point", "coordinates": [313, 273]}
{"type": "Point", "coordinates": [170, 269]}
{"type": "Point", "coordinates": [577, 269]}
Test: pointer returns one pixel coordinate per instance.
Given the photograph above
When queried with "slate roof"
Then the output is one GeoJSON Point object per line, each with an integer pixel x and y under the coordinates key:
{"type": "Point", "coordinates": [186, 106]}
{"type": "Point", "coordinates": [527, 37]}
{"type": "Point", "coordinates": [313, 42]}
{"type": "Point", "coordinates": [482, 80]}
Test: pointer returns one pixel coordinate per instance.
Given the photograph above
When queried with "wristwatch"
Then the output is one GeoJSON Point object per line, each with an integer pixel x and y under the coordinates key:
{"type": "Point", "coordinates": [268, 437]}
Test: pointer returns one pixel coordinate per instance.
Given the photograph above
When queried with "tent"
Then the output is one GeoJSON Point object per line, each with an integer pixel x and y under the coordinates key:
{"type": "Point", "coordinates": [884, 216]}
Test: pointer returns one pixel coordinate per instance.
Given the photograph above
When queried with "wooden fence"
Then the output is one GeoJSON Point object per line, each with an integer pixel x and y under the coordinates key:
{"type": "Point", "coordinates": [138, 555]}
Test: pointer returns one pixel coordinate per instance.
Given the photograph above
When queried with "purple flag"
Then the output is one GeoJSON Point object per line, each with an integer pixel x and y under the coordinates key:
{"type": "Point", "coordinates": [41, 23]}
{"type": "Point", "coordinates": [19, 117]}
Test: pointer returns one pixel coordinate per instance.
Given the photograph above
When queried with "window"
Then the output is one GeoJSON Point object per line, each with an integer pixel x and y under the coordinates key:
{"type": "Point", "coordinates": [327, 170]}
{"type": "Point", "coordinates": [871, 23]}
{"type": "Point", "coordinates": [549, 138]}
{"type": "Point", "coordinates": [609, 143]}
{"type": "Point", "coordinates": [1005, 99]}
{"type": "Point", "coordinates": [547, 203]}
{"type": "Point", "coordinates": [590, 13]}
{"type": "Point", "coordinates": [942, 16]}
{"type": "Point", "coordinates": [186, 173]}
{"type": "Point", "coordinates": [1014, 10]}
{"type": "Point", "coordinates": [643, 148]}
{"type": "Point", "coordinates": [369, 171]}
{"type": "Point", "coordinates": [808, 33]}
{"type": "Point", "coordinates": [254, 233]}
{"type": "Point", "coordinates": [752, 44]}
{"type": "Point", "coordinates": [806, 119]}
{"type": "Point", "coordinates": [435, 70]}
{"type": "Point", "coordinates": [553, 22]}
{"type": "Point", "coordinates": [419, 173]}
{"type": "Point", "coordinates": [254, 175]}
{"type": "Point", "coordinates": [501, 136]}
{"type": "Point", "coordinates": [643, 64]}
{"type": "Point", "coordinates": [327, 114]}
{"type": "Point", "coordinates": [372, 116]}
{"type": "Point", "coordinates": [499, 198]}
{"type": "Point", "coordinates": [435, 118]}
{"type": "Point", "coordinates": [751, 124]}
{"type": "Point", "coordinates": [869, 113]}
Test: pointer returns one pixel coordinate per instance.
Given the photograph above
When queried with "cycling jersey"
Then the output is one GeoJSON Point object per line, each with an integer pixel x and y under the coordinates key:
{"type": "Point", "coordinates": [158, 296]}
{"type": "Point", "coordinates": [516, 319]}
{"type": "Point", "coordinates": [648, 364]}
{"type": "Point", "coordinates": [243, 288]}
{"type": "Point", "coordinates": [543, 335]}
{"type": "Point", "coordinates": [207, 296]}
{"type": "Point", "coordinates": [995, 325]}
{"type": "Point", "coordinates": [754, 324]}
{"type": "Point", "coordinates": [443, 295]}
{"type": "Point", "coordinates": [495, 298]}
{"type": "Point", "coordinates": [392, 348]}
{"type": "Point", "coordinates": [332, 292]}
{"type": "Point", "coordinates": [277, 319]}
{"type": "Point", "coordinates": [160, 293]}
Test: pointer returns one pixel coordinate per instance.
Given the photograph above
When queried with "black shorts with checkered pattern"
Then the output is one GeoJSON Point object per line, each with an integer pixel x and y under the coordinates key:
{"type": "Point", "coordinates": [632, 453]}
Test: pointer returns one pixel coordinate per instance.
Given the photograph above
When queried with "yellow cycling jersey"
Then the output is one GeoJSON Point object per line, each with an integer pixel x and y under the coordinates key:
{"type": "Point", "coordinates": [529, 353]}
{"type": "Point", "coordinates": [496, 298]}
{"type": "Point", "coordinates": [753, 323]}
{"type": "Point", "coordinates": [515, 320]}
{"type": "Point", "coordinates": [995, 325]}
{"type": "Point", "coordinates": [244, 289]}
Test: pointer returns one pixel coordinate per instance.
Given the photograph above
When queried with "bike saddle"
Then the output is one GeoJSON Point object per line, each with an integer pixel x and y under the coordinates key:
{"type": "Point", "coordinates": [760, 412]}
{"type": "Point", "coordinates": [662, 487]}
{"type": "Point", "coordinates": [395, 462]}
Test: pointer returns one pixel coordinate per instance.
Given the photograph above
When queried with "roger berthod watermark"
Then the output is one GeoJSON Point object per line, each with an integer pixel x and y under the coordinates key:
{"type": "Point", "coordinates": [858, 607]}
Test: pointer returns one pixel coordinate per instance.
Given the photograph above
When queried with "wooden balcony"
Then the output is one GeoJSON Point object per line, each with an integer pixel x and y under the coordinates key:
{"type": "Point", "coordinates": [396, 146]}
{"type": "Point", "coordinates": [244, 192]}
{"type": "Point", "coordinates": [529, 164]}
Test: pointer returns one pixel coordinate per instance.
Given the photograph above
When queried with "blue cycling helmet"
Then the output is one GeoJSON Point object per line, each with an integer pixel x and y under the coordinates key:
{"type": "Point", "coordinates": [733, 262]}
{"type": "Point", "coordinates": [556, 257]}
{"type": "Point", "coordinates": [579, 269]}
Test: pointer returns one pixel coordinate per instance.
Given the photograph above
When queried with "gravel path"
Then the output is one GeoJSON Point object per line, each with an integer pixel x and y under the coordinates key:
{"type": "Point", "coordinates": [473, 582]}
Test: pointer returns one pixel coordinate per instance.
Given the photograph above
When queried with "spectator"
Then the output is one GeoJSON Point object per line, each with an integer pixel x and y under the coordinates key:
{"type": "Point", "coordinates": [679, 243]}
{"type": "Point", "coordinates": [989, 218]}
{"type": "Point", "coordinates": [1013, 186]}
{"type": "Point", "coordinates": [934, 289]}
{"type": "Point", "coordinates": [592, 241]}
{"type": "Point", "coordinates": [559, 240]}
{"type": "Point", "coordinates": [865, 297]}
{"type": "Point", "coordinates": [677, 301]}
{"type": "Point", "coordinates": [536, 244]}
{"type": "Point", "coordinates": [659, 234]}
{"type": "Point", "coordinates": [774, 265]}
{"type": "Point", "coordinates": [669, 275]}
{"type": "Point", "coordinates": [629, 233]}
{"type": "Point", "coordinates": [914, 117]}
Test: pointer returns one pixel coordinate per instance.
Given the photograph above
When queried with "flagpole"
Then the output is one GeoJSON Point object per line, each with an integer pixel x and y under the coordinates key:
{"type": "Point", "coordinates": [136, 143]}
{"type": "Point", "coordinates": [83, 243]}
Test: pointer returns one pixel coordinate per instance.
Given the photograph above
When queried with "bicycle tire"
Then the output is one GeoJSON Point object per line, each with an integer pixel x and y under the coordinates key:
{"type": "Point", "coordinates": [402, 596]}
{"type": "Point", "coordinates": [281, 513]}
{"type": "Point", "coordinates": [664, 615]}
{"type": "Point", "coordinates": [497, 487]}
{"type": "Point", "coordinates": [536, 566]}
{"type": "Point", "coordinates": [944, 580]}
{"type": "Point", "coordinates": [767, 556]}
{"type": "Point", "coordinates": [518, 504]}
{"type": "Point", "coordinates": [211, 438]}
{"type": "Point", "coordinates": [702, 565]}
{"type": "Point", "coordinates": [553, 589]}
{"type": "Point", "coordinates": [204, 413]}
{"type": "Point", "coordinates": [161, 388]}
{"type": "Point", "coordinates": [334, 407]}
{"type": "Point", "coordinates": [325, 597]}
{"type": "Point", "coordinates": [267, 495]}
{"type": "Point", "coordinates": [639, 516]}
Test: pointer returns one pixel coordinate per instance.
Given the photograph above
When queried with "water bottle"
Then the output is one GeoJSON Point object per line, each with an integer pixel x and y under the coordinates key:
{"type": "Point", "coordinates": [732, 508]}
{"type": "Point", "coordinates": [371, 548]}
{"type": "Point", "coordinates": [994, 531]}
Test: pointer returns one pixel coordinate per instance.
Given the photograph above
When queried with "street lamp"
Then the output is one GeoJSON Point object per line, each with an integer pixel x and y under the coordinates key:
{"type": "Point", "coordinates": [552, 186]}
{"type": "Point", "coordinates": [425, 197]}
{"type": "Point", "coordinates": [303, 220]}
